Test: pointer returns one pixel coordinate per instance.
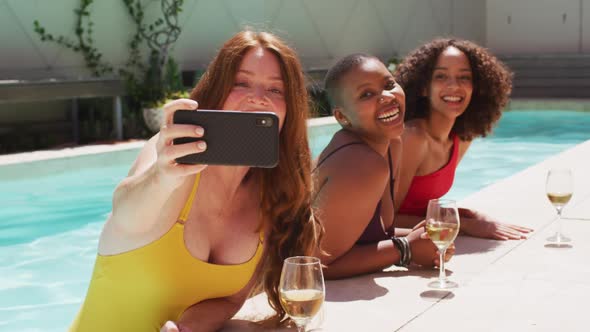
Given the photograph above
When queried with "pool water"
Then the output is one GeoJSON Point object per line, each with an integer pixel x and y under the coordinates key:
{"type": "Point", "coordinates": [521, 139]}
{"type": "Point", "coordinates": [49, 224]}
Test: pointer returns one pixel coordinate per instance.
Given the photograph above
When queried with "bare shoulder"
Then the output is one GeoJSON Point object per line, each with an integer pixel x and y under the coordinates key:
{"type": "Point", "coordinates": [415, 138]}
{"type": "Point", "coordinates": [396, 149]}
{"type": "Point", "coordinates": [395, 144]}
{"type": "Point", "coordinates": [355, 165]}
{"type": "Point", "coordinates": [357, 160]}
{"type": "Point", "coordinates": [414, 132]}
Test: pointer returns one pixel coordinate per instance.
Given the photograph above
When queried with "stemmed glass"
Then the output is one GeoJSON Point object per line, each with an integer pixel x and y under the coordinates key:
{"type": "Point", "coordinates": [302, 289]}
{"type": "Point", "coordinates": [442, 225]}
{"type": "Point", "coordinates": [559, 188]}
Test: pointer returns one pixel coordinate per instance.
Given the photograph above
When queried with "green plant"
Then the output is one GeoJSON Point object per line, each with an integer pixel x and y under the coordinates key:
{"type": "Point", "coordinates": [84, 41]}
{"type": "Point", "coordinates": [393, 62]}
{"type": "Point", "coordinates": [152, 82]}
{"type": "Point", "coordinates": [149, 81]}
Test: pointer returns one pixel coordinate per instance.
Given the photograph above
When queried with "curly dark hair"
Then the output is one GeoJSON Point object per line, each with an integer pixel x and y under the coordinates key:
{"type": "Point", "coordinates": [492, 84]}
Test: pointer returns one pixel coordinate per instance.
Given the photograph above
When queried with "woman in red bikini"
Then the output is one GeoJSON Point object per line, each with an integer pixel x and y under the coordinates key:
{"type": "Point", "coordinates": [455, 92]}
{"type": "Point", "coordinates": [356, 174]}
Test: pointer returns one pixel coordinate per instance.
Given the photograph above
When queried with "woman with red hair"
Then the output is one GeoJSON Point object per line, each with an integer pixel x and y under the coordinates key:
{"type": "Point", "coordinates": [185, 244]}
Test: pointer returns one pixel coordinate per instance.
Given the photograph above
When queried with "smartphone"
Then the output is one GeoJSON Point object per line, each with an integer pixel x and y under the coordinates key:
{"type": "Point", "coordinates": [232, 137]}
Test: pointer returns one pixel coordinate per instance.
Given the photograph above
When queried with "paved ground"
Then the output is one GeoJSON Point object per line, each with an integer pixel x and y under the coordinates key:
{"type": "Point", "coordinates": [504, 286]}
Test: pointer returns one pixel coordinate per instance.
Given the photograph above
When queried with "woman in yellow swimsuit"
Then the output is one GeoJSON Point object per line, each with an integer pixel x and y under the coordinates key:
{"type": "Point", "coordinates": [185, 244]}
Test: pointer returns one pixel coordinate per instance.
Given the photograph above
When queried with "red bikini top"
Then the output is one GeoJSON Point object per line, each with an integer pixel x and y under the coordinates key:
{"type": "Point", "coordinates": [434, 185]}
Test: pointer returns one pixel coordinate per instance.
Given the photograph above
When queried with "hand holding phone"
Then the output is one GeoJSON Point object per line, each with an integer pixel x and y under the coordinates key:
{"type": "Point", "coordinates": [232, 137]}
{"type": "Point", "coordinates": [169, 172]}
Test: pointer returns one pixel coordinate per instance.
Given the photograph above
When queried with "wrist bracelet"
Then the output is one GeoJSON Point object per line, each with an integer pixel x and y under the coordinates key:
{"type": "Point", "coordinates": [402, 244]}
{"type": "Point", "coordinates": [399, 247]}
{"type": "Point", "coordinates": [408, 251]}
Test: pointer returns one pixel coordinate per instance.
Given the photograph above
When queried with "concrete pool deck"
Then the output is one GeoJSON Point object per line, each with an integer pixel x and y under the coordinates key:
{"type": "Point", "coordinates": [503, 286]}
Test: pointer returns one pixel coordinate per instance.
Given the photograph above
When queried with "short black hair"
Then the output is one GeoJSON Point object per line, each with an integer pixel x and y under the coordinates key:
{"type": "Point", "coordinates": [335, 73]}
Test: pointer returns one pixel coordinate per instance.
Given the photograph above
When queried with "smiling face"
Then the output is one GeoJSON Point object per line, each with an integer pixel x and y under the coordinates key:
{"type": "Point", "coordinates": [258, 85]}
{"type": "Point", "coordinates": [371, 102]}
{"type": "Point", "coordinates": [451, 84]}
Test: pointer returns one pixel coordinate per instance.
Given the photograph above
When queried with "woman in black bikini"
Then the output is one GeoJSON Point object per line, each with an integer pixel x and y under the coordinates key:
{"type": "Point", "coordinates": [356, 174]}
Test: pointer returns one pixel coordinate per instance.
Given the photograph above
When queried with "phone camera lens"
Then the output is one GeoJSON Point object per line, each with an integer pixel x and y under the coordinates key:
{"type": "Point", "coordinates": [264, 122]}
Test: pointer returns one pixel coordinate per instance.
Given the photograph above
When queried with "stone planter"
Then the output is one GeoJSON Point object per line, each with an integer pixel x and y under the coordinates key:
{"type": "Point", "coordinates": [153, 118]}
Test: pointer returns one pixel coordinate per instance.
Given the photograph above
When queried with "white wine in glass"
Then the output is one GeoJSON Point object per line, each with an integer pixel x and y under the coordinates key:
{"type": "Point", "coordinates": [442, 226]}
{"type": "Point", "coordinates": [559, 188]}
{"type": "Point", "coordinates": [302, 289]}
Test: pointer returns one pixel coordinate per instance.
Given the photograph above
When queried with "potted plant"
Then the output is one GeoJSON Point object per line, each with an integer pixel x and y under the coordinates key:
{"type": "Point", "coordinates": [152, 83]}
{"type": "Point", "coordinates": [151, 89]}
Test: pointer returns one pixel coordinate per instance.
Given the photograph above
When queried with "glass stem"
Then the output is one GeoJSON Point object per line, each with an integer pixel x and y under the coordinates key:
{"type": "Point", "coordinates": [441, 275]}
{"type": "Point", "coordinates": [300, 328]}
{"type": "Point", "coordinates": [558, 223]}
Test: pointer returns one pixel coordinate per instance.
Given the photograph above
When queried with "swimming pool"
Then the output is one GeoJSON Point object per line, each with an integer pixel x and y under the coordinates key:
{"type": "Point", "coordinates": [50, 219]}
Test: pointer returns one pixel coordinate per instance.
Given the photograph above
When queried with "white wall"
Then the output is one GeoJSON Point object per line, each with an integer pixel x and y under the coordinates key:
{"type": "Point", "coordinates": [537, 26]}
{"type": "Point", "coordinates": [320, 30]}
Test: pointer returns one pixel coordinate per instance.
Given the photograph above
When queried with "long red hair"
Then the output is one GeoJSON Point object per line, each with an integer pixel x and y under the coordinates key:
{"type": "Point", "coordinates": [286, 189]}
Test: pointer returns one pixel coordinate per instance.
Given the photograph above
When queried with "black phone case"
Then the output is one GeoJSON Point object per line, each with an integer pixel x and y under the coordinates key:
{"type": "Point", "coordinates": [233, 138]}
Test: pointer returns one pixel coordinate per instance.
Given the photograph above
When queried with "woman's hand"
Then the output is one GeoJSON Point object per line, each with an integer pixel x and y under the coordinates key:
{"type": "Point", "coordinates": [169, 173]}
{"type": "Point", "coordinates": [424, 252]}
{"type": "Point", "coordinates": [170, 326]}
{"type": "Point", "coordinates": [448, 254]}
{"type": "Point", "coordinates": [479, 225]}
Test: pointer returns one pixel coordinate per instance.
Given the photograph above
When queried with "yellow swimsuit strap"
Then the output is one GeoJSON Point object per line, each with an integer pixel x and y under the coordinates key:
{"type": "Point", "coordinates": [189, 202]}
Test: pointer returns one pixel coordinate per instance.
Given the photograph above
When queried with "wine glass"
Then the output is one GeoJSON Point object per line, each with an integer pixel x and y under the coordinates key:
{"type": "Point", "coordinates": [442, 225]}
{"type": "Point", "coordinates": [559, 188]}
{"type": "Point", "coordinates": [302, 289]}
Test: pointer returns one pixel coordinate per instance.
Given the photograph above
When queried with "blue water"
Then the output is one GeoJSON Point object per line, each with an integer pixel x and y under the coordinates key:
{"type": "Point", "coordinates": [522, 139]}
{"type": "Point", "coordinates": [49, 225]}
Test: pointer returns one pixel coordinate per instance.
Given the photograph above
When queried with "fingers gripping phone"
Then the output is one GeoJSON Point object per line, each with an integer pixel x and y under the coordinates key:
{"type": "Point", "coordinates": [232, 137]}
